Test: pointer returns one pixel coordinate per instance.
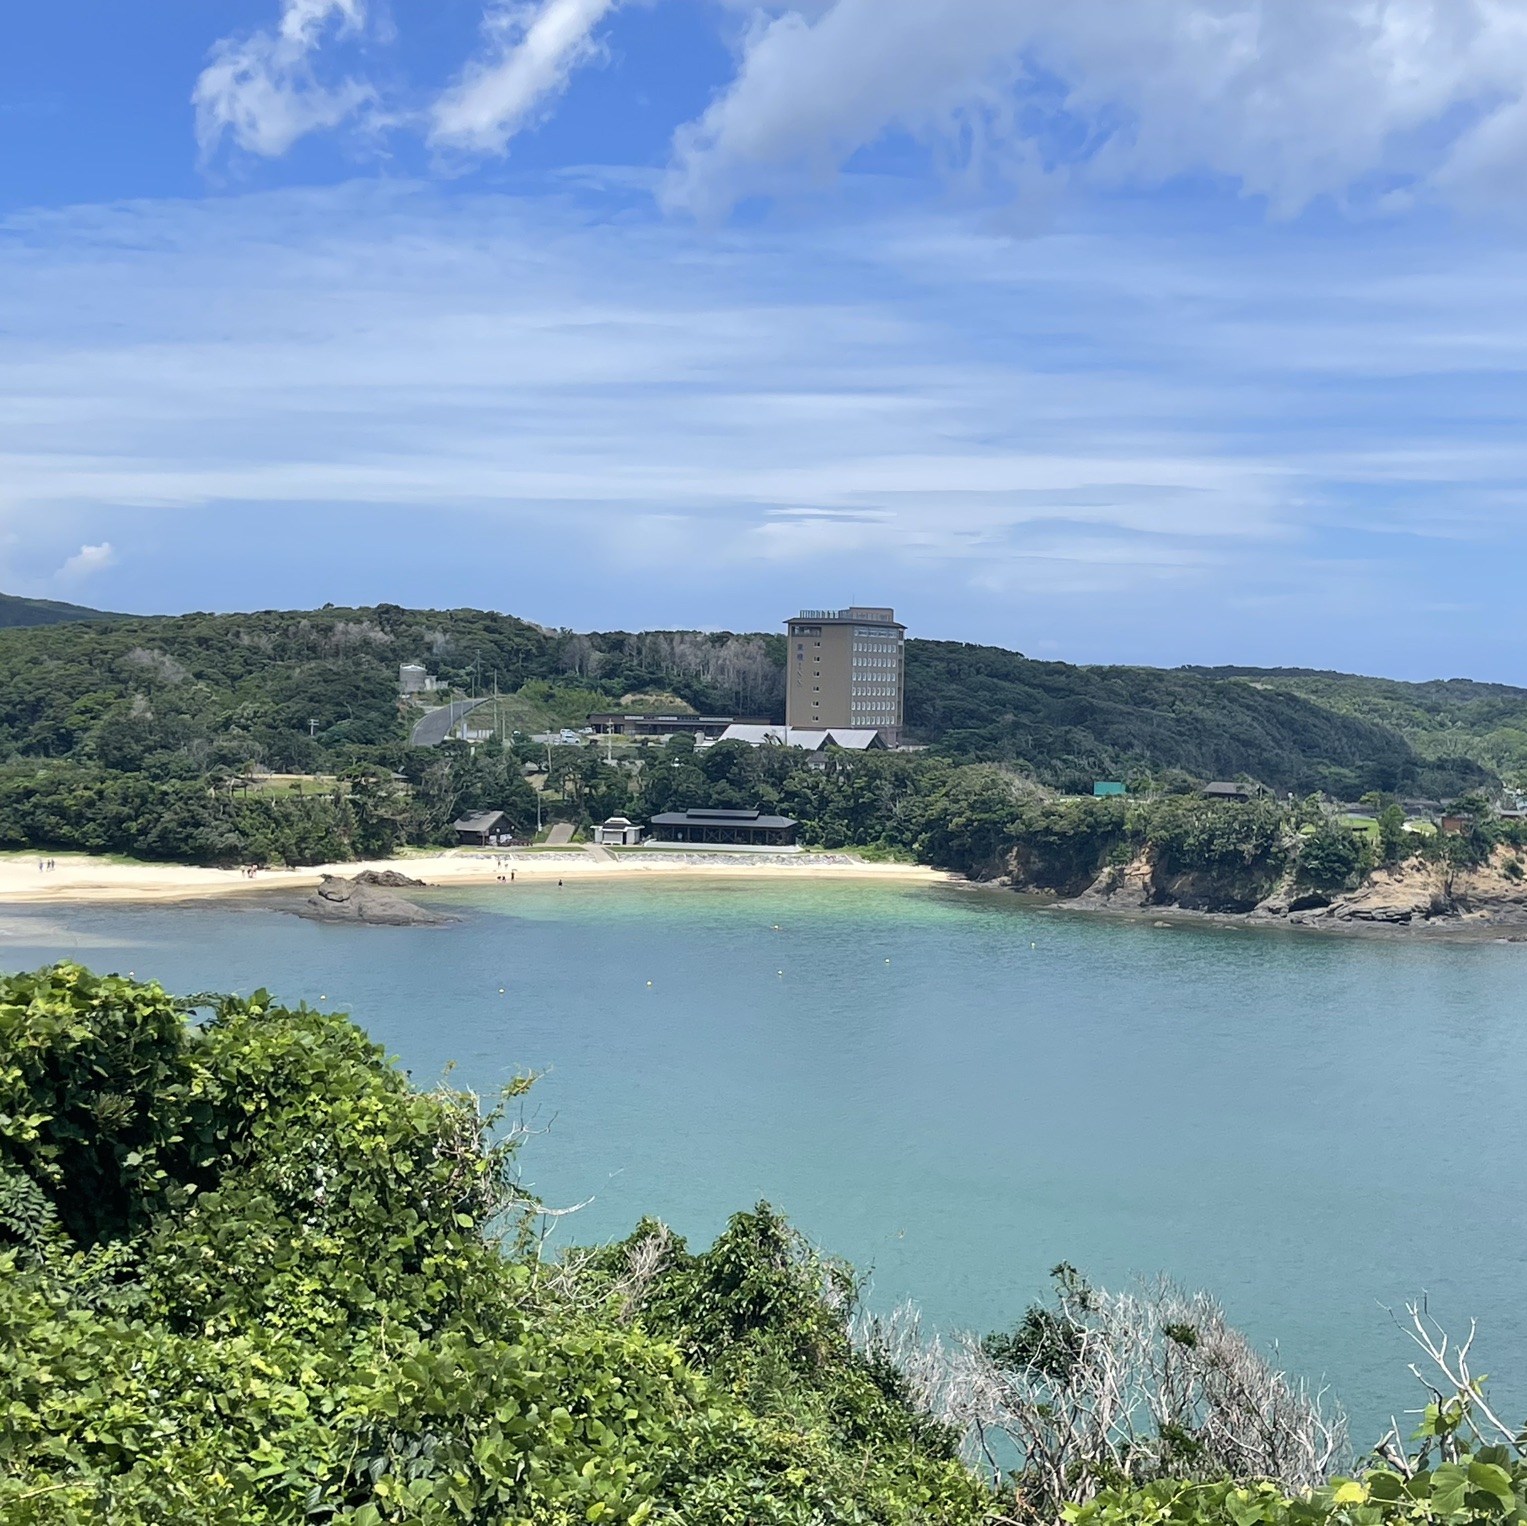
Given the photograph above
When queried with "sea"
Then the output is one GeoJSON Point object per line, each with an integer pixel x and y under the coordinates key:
{"type": "Point", "coordinates": [956, 1089]}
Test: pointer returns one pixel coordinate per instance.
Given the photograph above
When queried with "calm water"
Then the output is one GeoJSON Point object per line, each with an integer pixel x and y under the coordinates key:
{"type": "Point", "coordinates": [957, 1090]}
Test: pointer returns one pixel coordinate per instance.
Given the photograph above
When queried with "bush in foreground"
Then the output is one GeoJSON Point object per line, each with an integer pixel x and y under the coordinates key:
{"type": "Point", "coordinates": [249, 1276]}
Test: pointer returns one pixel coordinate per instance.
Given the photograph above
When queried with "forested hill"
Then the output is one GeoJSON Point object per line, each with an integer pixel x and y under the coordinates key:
{"type": "Point", "coordinates": [1445, 718]}
{"type": "Point", "coordinates": [18, 611]}
{"type": "Point", "coordinates": [1070, 725]}
{"type": "Point", "coordinates": [302, 691]}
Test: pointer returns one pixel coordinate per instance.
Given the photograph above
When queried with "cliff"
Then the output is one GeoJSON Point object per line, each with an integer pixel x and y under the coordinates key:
{"type": "Point", "coordinates": [1415, 894]}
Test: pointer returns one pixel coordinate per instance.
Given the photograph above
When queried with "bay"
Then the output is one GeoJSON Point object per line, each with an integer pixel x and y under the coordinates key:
{"type": "Point", "coordinates": [956, 1089]}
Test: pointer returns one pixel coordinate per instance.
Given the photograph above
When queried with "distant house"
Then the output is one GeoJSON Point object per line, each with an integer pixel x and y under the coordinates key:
{"type": "Point", "coordinates": [1454, 826]}
{"type": "Point", "coordinates": [725, 828]}
{"type": "Point", "coordinates": [483, 829]}
{"type": "Point", "coordinates": [1223, 789]}
{"type": "Point", "coordinates": [1102, 788]}
{"type": "Point", "coordinates": [617, 832]}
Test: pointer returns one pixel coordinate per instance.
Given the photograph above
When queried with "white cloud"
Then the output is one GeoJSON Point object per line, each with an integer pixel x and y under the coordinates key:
{"type": "Point", "coordinates": [532, 52]}
{"type": "Point", "coordinates": [262, 90]}
{"type": "Point", "coordinates": [87, 560]}
{"type": "Point", "coordinates": [1062, 417]}
{"type": "Point", "coordinates": [1290, 100]}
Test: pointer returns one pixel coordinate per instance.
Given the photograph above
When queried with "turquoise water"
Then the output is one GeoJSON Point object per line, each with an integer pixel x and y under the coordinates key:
{"type": "Point", "coordinates": [956, 1090]}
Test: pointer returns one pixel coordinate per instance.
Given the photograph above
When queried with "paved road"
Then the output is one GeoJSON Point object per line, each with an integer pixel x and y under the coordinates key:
{"type": "Point", "coordinates": [560, 835]}
{"type": "Point", "coordinates": [431, 730]}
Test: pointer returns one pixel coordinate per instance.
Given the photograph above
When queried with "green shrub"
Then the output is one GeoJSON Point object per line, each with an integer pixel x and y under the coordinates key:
{"type": "Point", "coordinates": [249, 1275]}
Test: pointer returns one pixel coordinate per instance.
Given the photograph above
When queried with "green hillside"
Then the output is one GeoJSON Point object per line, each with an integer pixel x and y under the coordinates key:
{"type": "Point", "coordinates": [309, 691]}
{"type": "Point", "coordinates": [1443, 719]}
{"type": "Point", "coordinates": [18, 611]}
{"type": "Point", "coordinates": [1070, 725]}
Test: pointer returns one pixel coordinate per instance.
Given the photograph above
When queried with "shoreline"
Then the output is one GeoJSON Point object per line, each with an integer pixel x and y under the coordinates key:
{"type": "Point", "coordinates": [84, 878]}
{"type": "Point", "coordinates": [1476, 927]}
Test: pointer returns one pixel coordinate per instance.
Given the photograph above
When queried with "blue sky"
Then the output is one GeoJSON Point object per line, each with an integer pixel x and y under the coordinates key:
{"type": "Point", "coordinates": [1188, 331]}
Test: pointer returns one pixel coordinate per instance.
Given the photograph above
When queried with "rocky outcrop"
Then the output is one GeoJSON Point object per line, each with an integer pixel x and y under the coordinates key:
{"type": "Point", "coordinates": [1415, 895]}
{"type": "Point", "coordinates": [369, 898]}
{"type": "Point", "coordinates": [1122, 887]}
{"type": "Point", "coordinates": [1143, 883]}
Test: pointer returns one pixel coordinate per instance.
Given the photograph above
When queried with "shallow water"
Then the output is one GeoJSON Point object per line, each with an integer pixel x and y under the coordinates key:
{"type": "Point", "coordinates": [956, 1089]}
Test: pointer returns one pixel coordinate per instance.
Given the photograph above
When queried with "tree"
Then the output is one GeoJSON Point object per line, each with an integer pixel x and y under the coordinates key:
{"type": "Point", "coordinates": [1329, 856]}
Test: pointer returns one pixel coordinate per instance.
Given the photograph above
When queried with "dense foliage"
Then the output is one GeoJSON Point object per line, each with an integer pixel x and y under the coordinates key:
{"type": "Point", "coordinates": [149, 737]}
{"type": "Point", "coordinates": [1443, 720]}
{"type": "Point", "coordinates": [248, 1275]}
{"type": "Point", "coordinates": [1068, 726]}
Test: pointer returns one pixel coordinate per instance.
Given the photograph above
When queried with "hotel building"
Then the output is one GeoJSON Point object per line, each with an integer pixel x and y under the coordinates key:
{"type": "Point", "coordinates": [846, 667]}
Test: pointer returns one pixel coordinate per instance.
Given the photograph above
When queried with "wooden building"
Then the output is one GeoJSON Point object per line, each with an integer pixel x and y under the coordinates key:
{"type": "Point", "coordinates": [483, 829]}
{"type": "Point", "coordinates": [725, 828]}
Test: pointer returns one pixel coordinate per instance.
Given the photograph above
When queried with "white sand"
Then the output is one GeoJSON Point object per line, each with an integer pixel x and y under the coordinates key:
{"type": "Point", "coordinates": [79, 877]}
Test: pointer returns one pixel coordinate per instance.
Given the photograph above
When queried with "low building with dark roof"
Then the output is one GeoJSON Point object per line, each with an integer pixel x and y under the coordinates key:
{"type": "Point", "coordinates": [1230, 789]}
{"type": "Point", "coordinates": [482, 829]}
{"type": "Point", "coordinates": [725, 828]}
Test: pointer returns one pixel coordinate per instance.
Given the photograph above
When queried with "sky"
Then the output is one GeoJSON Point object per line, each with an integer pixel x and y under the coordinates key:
{"type": "Point", "coordinates": [1175, 331]}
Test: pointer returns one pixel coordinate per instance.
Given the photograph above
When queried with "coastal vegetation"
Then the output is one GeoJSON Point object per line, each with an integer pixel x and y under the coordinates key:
{"type": "Point", "coordinates": [250, 1274]}
{"type": "Point", "coordinates": [281, 738]}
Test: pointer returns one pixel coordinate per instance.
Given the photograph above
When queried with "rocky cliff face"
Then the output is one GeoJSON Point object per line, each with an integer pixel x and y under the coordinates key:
{"type": "Point", "coordinates": [1144, 883]}
{"type": "Point", "coordinates": [1415, 894]}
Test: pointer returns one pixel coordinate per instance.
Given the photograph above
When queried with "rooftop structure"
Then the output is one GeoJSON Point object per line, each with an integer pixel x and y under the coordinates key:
{"type": "Point", "coordinates": [845, 668]}
{"type": "Point", "coordinates": [617, 832]}
{"type": "Point", "coordinates": [481, 829]}
{"type": "Point", "coordinates": [813, 739]}
{"type": "Point", "coordinates": [612, 723]}
{"type": "Point", "coordinates": [1223, 789]}
{"type": "Point", "coordinates": [727, 828]}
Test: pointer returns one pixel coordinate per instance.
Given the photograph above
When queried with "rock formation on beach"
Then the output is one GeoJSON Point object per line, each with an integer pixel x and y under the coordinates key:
{"type": "Point", "coordinates": [369, 898]}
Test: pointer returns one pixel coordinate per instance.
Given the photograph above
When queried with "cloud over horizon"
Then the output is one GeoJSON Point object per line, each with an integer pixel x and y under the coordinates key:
{"type": "Point", "coordinates": [87, 560]}
{"type": "Point", "coordinates": [1056, 439]}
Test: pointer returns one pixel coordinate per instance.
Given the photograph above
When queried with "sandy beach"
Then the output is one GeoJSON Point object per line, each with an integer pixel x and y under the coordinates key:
{"type": "Point", "coordinates": [79, 877]}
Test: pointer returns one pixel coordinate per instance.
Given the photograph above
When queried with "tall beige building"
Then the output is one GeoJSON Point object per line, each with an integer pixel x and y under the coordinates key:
{"type": "Point", "coordinates": [846, 667]}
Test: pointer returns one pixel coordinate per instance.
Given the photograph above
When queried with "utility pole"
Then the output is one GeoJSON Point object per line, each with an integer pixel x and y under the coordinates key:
{"type": "Point", "coordinates": [312, 727]}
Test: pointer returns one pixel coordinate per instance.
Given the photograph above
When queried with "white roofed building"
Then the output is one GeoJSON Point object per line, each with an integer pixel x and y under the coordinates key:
{"type": "Point", "coordinates": [811, 738]}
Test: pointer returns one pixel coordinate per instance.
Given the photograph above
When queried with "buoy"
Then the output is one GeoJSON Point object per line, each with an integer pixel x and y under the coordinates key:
{"type": "Point", "coordinates": [500, 990]}
{"type": "Point", "coordinates": [649, 982]}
